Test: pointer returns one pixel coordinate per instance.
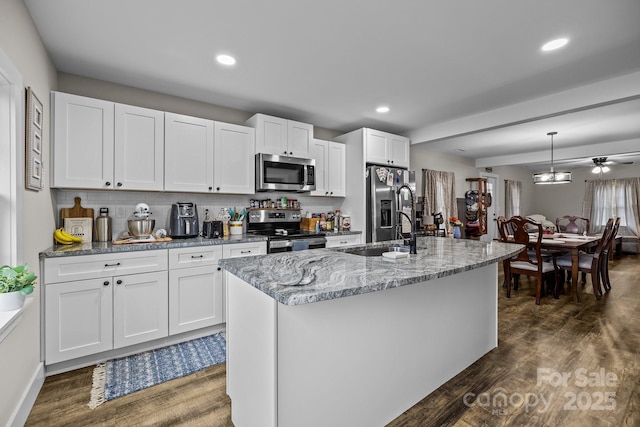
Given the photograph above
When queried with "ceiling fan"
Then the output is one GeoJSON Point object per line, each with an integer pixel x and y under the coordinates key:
{"type": "Point", "coordinates": [600, 164]}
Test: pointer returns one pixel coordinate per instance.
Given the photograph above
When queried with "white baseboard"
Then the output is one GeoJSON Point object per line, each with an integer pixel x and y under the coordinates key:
{"type": "Point", "coordinates": [21, 413]}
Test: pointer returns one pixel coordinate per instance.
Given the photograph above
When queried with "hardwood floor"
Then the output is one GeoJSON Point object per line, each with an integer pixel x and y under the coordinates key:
{"type": "Point", "coordinates": [565, 338]}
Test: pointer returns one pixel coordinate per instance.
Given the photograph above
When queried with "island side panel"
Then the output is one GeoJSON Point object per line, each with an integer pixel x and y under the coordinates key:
{"type": "Point", "coordinates": [363, 360]}
{"type": "Point", "coordinates": [251, 354]}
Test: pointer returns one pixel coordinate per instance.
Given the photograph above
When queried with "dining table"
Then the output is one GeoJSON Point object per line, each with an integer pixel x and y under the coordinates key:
{"type": "Point", "coordinates": [572, 244]}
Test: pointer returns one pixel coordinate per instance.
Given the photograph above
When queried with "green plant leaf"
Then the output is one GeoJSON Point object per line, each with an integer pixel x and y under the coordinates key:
{"type": "Point", "coordinates": [26, 290]}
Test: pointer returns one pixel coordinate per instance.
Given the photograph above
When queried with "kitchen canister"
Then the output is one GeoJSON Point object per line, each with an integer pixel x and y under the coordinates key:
{"type": "Point", "coordinates": [103, 226]}
{"type": "Point", "coordinates": [235, 227]}
{"type": "Point", "coordinates": [346, 222]}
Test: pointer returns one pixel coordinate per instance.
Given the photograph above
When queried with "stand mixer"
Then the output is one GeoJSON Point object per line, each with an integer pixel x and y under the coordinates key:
{"type": "Point", "coordinates": [139, 224]}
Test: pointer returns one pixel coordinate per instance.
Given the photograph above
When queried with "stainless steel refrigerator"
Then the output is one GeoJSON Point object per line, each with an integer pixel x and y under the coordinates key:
{"type": "Point", "coordinates": [384, 222]}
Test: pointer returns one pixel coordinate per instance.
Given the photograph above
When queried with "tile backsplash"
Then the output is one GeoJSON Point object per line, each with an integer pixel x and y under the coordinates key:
{"type": "Point", "coordinates": [121, 204]}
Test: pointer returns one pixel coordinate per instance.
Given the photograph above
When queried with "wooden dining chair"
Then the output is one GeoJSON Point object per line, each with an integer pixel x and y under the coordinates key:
{"type": "Point", "coordinates": [572, 224]}
{"type": "Point", "coordinates": [504, 237]}
{"type": "Point", "coordinates": [608, 249]}
{"type": "Point", "coordinates": [589, 263]}
{"type": "Point", "coordinates": [524, 263]}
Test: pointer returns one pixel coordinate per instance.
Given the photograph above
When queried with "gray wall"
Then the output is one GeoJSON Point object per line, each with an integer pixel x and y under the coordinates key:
{"type": "Point", "coordinates": [20, 350]}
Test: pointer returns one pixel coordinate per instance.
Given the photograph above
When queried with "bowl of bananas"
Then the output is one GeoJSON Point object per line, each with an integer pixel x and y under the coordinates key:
{"type": "Point", "coordinates": [64, 238]}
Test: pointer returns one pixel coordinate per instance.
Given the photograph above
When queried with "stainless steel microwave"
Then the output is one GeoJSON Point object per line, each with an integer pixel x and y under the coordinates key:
{"type": "Point", "coordinates": [283, 173]}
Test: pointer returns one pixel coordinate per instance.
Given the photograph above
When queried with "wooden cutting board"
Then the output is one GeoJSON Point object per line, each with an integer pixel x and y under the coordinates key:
{"type": "Point", "coordinates": [76, 211]}
{"type": "Point", "coordinates": [134, 241]}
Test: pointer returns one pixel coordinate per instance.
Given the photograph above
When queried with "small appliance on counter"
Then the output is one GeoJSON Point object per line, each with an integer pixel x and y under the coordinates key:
{"type": "Point", "coordinates": [140, 224]}
{"type": "Point", "coordinates": [211, 229]}
{"type": "Point", "coordinates": [183, 220]}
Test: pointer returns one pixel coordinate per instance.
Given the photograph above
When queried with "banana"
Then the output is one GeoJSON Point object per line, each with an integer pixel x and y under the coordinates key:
{"type": "Point", "coordinates": [59, 238]}
{"type": "Point", "coordinates": [71, 237]}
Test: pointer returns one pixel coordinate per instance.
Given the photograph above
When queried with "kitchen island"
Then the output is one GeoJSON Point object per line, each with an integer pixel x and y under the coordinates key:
{"type": "Point", "coordinates": [326, 337]}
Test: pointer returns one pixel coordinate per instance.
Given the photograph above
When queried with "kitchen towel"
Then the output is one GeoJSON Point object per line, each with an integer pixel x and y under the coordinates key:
{"type": "Point", "coordinates": [119, 377]}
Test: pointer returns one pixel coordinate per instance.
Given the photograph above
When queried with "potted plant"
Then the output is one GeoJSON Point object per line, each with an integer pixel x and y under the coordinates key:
{"type": "Point", "coordinates": [15, 283]}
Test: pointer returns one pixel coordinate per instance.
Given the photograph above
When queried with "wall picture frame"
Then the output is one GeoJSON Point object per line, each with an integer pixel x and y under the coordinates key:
{"type": "Point", "coordinates": [33, 146]}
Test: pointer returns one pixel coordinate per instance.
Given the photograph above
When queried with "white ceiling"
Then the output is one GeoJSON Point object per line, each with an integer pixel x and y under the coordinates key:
{"type": "Point", "coordinates": [456, 74]}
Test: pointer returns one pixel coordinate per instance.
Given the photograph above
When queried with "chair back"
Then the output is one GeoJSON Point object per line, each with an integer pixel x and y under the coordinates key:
{"type": "Point", "coordinates": [520, 227]}
{"type": "Point", "coordinates": [503, 233]}
{"type": "Point", "coordinates": [606, 247]}
{"type": "Point", "coordinates": [606, 239]}
{"type": "Point", "coordinates": [572, 224]}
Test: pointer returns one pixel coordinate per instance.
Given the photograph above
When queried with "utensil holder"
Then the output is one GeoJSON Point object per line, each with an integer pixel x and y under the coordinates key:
{"type": "Point", "coordinates": [235, 227]}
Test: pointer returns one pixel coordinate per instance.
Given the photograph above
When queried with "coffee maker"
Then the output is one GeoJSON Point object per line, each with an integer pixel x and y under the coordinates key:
{"type": "Point", "coordinates": [183, 220]}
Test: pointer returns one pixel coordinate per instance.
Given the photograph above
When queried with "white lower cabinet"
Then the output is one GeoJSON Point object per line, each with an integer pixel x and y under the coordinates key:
{"type": "Point", "coordinates": [89, 316]}
{"type": "Point", "coordinates": [101, 302]}
{"type": "Point", "coordinates": [195, 288]}
{"type": "Point", "coordinates": [140, 308]}
{"type": "Point", "coordinates": [116, 300]}
{"type": "Point", "coordinates": [343, 240]}
{"type": "Point", "coordinates": [79, 319]}
{"type": "Point", "coordinates": [244, 249]}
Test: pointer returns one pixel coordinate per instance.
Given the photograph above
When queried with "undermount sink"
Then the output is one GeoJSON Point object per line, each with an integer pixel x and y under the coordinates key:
{"type": "Point", "coordinates": [377, 251]}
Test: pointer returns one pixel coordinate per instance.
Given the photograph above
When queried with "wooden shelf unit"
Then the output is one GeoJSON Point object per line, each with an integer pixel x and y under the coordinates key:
{"type": "Point", "coordinates": [481, 184]}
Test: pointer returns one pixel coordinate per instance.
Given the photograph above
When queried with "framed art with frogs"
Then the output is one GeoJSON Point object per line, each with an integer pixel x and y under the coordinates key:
{"type": "Point", "coordinates": [33, 146]}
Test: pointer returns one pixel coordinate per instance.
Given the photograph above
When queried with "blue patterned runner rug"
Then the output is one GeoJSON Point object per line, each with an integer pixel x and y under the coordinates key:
{"type": "Point", "coordinates": [119, 377]}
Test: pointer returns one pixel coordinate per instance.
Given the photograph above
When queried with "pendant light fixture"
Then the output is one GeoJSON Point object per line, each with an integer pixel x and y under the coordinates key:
{"type": "Point", "coordinates": [552, 177]}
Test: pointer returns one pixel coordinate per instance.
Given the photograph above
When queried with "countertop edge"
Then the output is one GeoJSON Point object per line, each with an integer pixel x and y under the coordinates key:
{"type": "Point", "coordinates": [284, 295]}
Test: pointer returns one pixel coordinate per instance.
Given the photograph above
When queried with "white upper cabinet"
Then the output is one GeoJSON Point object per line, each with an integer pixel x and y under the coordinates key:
{"type": "Point", "coordinates": [384, 148]}
{"type": "Point", "coordinates": [139, 148]}
{"type": "Point", "coordinates": [103, 145]}
{"type": "Point", "coordinates": [300, 136]}
{"type": "Point", "coordinates": [234, 159]}
{"type": "Point", "coordinates": [283, 137]}
{"type": "Point", "coordinates": [336, 176]}
{"type": "Point", "coordinates": [188, 154]}
{"type": "Point", "coordinates": [330, 168]}
{"type": "Point", "coordinates": [82, 148]}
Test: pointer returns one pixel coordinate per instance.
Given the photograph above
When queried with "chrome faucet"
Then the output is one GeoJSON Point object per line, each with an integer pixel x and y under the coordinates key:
{"type": "Point", "coordinates": [412, 220]}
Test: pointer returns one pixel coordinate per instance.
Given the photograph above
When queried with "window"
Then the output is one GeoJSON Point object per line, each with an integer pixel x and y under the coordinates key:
{"type": "Point", "coordinates": [438, 192]}
{"type": "Point", "coordinates": [11, 137]}
{"type": "Point", "coordinates": [613, 198]}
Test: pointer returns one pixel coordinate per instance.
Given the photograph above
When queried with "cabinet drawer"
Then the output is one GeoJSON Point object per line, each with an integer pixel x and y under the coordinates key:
{"type": "Point", "coordinates": [346, 240]}
{"type": "Point", "coordinates": [244, 249]}
{"type": "Point", "coordinates": [83, 267]}
{"type": "Point", "coordinates": [195, 256]}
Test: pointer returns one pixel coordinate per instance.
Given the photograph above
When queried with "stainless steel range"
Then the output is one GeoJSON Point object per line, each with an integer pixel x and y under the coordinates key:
{"type": "Point", "coordinates": [282, 229]}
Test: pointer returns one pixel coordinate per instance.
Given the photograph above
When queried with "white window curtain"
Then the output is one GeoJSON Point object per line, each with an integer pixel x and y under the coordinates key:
{"type": "Point", "coordinates": [439, 194]}
{"type": "Point", "coordinates": [512, 191]}
{"type": "Point", "coordinates": [604, 199]}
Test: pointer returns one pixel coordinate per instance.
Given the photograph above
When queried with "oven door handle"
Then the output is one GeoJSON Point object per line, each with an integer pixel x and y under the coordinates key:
{"type": "Point", "coordinates": [316, 241]}
{"type": "Point", "coordinates": [279, 244]}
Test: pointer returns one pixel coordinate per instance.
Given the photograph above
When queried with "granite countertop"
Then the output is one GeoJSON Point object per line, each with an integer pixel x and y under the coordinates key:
{"type": "Point", "coordinates": [294, 278]}
{"type": "Point", "coordinates": [109, 248]}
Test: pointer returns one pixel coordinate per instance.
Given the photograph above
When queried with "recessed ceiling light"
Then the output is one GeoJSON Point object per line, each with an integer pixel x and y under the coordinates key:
{"type": "Point", "coordinates": [226, 59]}
{"type": "Point", "coordinates": [554, 44]}
{"type": "Point", "coordinates": [382, 109]}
